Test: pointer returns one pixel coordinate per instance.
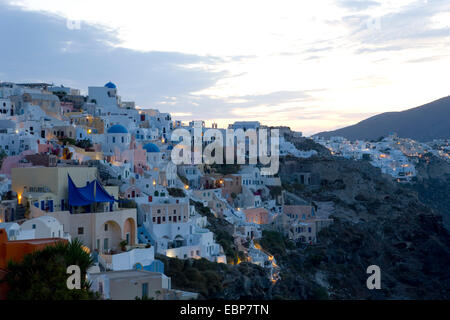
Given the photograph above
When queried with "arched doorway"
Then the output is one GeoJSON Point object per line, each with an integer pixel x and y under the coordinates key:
{"type": "Point", "coordinates": [111, 237]}
{"type": "Point", "coordinates": [179, 241]}
{"type": "Point", "coordinates": [129, 231]}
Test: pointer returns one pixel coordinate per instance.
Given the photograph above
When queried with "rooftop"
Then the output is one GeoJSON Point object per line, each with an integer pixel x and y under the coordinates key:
{"type": "Point", "coordinates": [131, 274]}
{"type": "Point", "coordinates": [117, 128]}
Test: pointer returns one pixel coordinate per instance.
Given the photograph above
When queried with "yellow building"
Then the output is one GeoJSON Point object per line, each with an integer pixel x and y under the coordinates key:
{"type": "Point", "coordinates": [100, 227]}
{"type": "Point", "coordinates": [47, 187]}
{"type": "Point", "coordinates": [87, 121]}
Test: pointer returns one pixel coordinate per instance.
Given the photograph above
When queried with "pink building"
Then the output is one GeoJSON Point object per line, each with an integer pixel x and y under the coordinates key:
{"type": "Point", "coordinates": [14, 162]}
{"type": "Point", "coordinates": [134, 154]}
{"type": "Point", "coordinates": [66, 107]}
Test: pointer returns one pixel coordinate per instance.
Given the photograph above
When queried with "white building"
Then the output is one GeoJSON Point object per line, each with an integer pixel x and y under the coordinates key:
{"type": "Point", "coordinates": [105, 96]}
{"type": "Point", "coordinates": [37, 228]}
{"type": "Point", "coordinates": [116, 139]}
{"type": "Point", "coordinates": [6, 108]}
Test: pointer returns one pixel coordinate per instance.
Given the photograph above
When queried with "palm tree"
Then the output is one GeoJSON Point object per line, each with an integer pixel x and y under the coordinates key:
{"type": "Point", "coordinates": [42, 275]}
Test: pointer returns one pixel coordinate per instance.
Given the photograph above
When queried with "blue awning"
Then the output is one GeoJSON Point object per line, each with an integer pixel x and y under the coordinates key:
{"type": "Point", "coordinates": [76, 197]}
{"type": "Point", "coordinates": [91, 193]}
{"type": "Point", "coordinates": [101, 195]}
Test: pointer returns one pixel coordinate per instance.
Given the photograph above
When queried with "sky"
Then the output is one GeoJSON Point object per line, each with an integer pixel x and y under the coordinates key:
{"type": "Point", "coordinates": [311, 65]}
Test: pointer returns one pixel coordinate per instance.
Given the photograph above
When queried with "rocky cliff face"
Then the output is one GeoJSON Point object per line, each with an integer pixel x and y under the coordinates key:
{"type": "Point", "coordinates": [217, 280]}
{"type": "Point", "coordinates": [379, 222]}
{"type": "Point", "coordinates": [433, 185]}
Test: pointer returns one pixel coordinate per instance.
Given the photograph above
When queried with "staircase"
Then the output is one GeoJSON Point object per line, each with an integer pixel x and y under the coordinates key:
{"type": "Point", "coordinates": [144, 236]}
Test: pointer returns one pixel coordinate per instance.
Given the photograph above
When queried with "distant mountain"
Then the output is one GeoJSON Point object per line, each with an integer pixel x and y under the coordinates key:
{"type": "Point", "coordinates": [424, 123]}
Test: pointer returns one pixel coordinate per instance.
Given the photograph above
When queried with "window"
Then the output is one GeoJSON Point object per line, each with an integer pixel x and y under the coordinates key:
{"type": "Point", "coordinates": [33, 226]}
{"type": "Point", "coordinates": [80, 230]}
{"type": "Point", "coordinates": [106, 227]}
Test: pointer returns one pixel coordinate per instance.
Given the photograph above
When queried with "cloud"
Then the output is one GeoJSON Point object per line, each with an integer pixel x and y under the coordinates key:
{"type": "Point", "coordinates": [237, 107]}
{"type": "Point", "coordinates": [309, 68]}
{"type": "Point", "coordinates": [403, 28]}
{"type": "Point", "coordinates": [357, 5]}
{"type": "Point", "coordinates": [40, 47]}
{"type": "Point", "coordinates": [427, 59]}
{"type": "Point", "coordinates": [366, 49]}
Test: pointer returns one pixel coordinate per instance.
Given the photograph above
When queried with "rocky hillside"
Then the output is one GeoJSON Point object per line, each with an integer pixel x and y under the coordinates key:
{"type": "Point", "coordinates": [377, 221]}
{"type": "Point", "coordinates": [218, 280]}
{"type": "Point", "coordinates": [433, 185]}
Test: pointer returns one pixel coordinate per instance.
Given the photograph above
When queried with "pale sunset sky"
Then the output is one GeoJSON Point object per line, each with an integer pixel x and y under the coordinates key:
{"type": "Point", "coordinates": [311, 65]}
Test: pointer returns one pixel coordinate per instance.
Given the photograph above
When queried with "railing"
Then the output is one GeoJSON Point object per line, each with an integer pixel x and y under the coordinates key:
{"type": "Point", "coordinates": [105, 260]}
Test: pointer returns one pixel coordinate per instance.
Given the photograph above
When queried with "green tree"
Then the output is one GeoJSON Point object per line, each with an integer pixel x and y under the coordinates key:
{"type": "Point", "coordinates": [85, 143]}
{"type": "Point", "coordinates": [176, 192]}
{"type": "Point", "coordinates": [42, 275]}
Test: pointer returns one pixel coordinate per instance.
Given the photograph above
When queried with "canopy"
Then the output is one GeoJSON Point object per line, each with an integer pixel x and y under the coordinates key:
{"type": "Point", "coordinates": [92, 192]}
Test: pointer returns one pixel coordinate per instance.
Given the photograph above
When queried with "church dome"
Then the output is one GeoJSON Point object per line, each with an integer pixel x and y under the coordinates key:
{"type": "Point", "coordinates": [117, 128]}
{"type": "Point", "coordinates": [110, 85]}
{"type": "Point", "coordinates": [151, 147]}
